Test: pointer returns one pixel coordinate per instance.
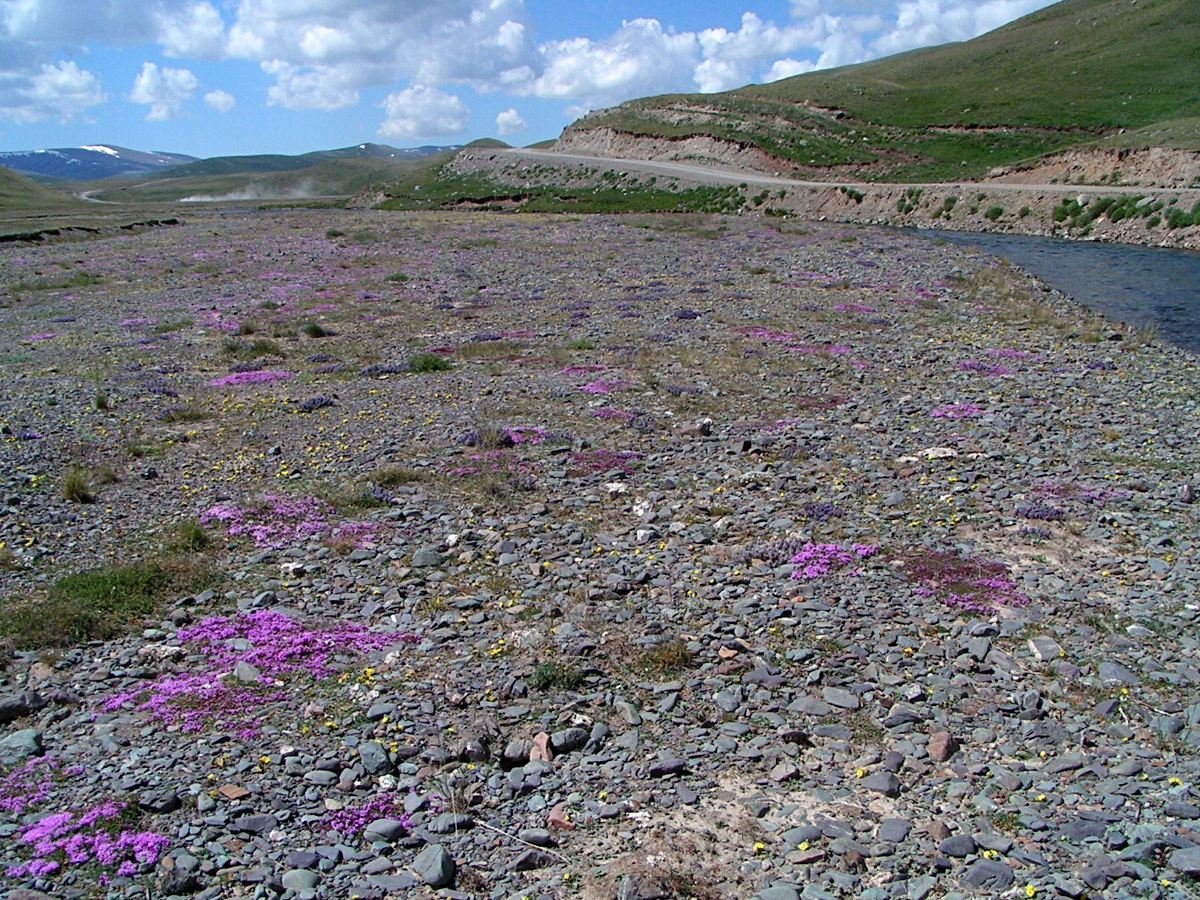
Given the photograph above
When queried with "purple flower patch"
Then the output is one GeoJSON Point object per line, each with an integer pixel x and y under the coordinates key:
{"type": "Point", "coordinates": [957, 411]}
{"type": "Point", "coordinates": [240, 378]}
{"type": "Point", "coordinates": [973, 585]}
{"type": "Point", "coordinates": [818, 560]}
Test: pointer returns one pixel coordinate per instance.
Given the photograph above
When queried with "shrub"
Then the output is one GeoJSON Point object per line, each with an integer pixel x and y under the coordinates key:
{"type": "Point", "coordinates": [76, 487]}
{"type": "Point", "coordinates": [429, 362]}
{"type": "Point", "coordinates": [994, 212]}
{"type": "Point", "coordinates": [667, 658]}
{"type": "Point", "coordinates": [563, 676]}
{"type": "Point", "coordinates": [101, 401]}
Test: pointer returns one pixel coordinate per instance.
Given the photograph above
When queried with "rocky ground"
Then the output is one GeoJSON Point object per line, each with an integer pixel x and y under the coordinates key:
{"type": "Point", "coordinates": [609, 557]}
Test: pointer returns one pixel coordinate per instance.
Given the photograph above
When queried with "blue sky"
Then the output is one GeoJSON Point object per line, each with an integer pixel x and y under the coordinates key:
{"type": "Point", "coordinates": [218, 77]}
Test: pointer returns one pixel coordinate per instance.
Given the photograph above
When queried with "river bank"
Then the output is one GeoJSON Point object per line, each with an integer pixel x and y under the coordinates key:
{"type": "Point", "coordinates": [1140, 215]}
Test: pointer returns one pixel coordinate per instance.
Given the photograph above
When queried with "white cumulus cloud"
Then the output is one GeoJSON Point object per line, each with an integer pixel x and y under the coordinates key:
{"type": "Point", "coordinates": [164, 90]}
{"type": "Point", "coordinates": [55, 91]}
{"type": "Point", "coordinates": [510, 122]}
{"type": "Point", "coordinates": [422, 112]}
{"type": "Point", "coordinates": [221, 101]}
{"type": "Point", "coordinates": [194, 31]}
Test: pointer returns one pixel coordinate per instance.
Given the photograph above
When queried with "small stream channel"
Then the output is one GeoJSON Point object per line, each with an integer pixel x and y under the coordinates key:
{"type": "Point", "coordinates": [1136, 285]}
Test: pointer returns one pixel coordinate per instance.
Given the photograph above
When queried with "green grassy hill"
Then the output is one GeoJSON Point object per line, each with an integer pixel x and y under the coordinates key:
{"type": "Point", "coordinates": [19, 192]}
{"type": "Point", "coordinates": [1069, 74]}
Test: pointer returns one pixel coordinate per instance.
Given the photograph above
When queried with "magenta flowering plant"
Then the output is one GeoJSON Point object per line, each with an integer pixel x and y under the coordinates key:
{"type": "Point", "coordinates": [101, 835]}
{"type": "Point", "coordinates": [28, 785]}
{"type": "Point", "coordinates": [263, 376]}
{"type": "Point", "coordinates": [969, 584]}
{"type": "Point", "coordinates": [351, 820]}
{"type": "Point", "coordinates": [277, 521]}
{"type": "Point", "coordinates": [957, 411]}
{"type": "Point", "coordinates": [818, 560]}
{"type": "Point", "coordinates": [605, 386]}
{"type": "Point", "coordinates": [278, 648]}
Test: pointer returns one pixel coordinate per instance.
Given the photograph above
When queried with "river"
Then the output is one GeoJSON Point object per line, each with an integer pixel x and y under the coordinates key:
{"type": "Point", "coordinates": [1137, 285]}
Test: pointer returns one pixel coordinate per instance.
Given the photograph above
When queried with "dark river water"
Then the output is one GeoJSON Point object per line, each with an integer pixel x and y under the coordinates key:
{"type": "Point", "coordinates": [1137, 285]}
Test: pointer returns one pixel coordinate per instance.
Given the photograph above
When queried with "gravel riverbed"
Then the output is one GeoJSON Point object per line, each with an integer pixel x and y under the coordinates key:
{"type": "Point", "coordinates": [630, 557]}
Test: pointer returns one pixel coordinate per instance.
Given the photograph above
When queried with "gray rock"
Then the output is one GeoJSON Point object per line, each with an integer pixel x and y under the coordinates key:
{"type": "Point", "coordinates": [426, 557]}
{"type": "Point", "coordinates": [778, 892]}
{"type": "Point", "coordinates": [375, 758]}
{"type": "Point", "coordinates": [1186, 861]}
{"type": "Point", "coordinates": [667, 766]}
{"type": "Point", "coordinates": [16, 706]}
{"type": "Point", "coordinates": [20, 746]}
{"type": "Point", "coordinates": [882, 783]}
{"type": "Point", "coordinates": [449, 822]}
{"type": "Point", "coordinates": [257, 823]}
{"type": "Point", "coordinates": [894, 831]}
{"type": "Point", "coordinates": [567, 740]}
{"type": "Point", "coordinates": [384, 830]}
{"type": "Point", "coordinates": [434, 866]}
{"type": "Point", "coordinates": [532, 859]}
{"type": "Point", "coordinates": [990, 875]}
{"type": "Point", "coordinates": [840, 697]}
{"type": "Point", "coordinates": [958, 845]}
{"type": "Point", "coordinates": [300, 880]}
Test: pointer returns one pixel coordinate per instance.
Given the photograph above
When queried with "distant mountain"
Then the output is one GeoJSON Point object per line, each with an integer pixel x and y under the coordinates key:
{"type": "Point", "coordinates": [237, 165]}
{"type": "Point", "coordinates": [91, 163]}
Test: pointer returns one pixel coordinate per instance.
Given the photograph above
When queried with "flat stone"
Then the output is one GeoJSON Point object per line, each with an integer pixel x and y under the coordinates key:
{"type": "Point", "coordinates": [1186, 861]}
{"type": "Point", "coordinates": [300, 880]}
{"type": "Point", "coordinates": [668, 766]}
{"type": "Point", "coordinates": [990, 875]}
{"type": "Point", "coordinates": [958, 845]}
{"type": "Point", "coordinates": [840, 697]}
{"type": "Point", "coordinates": [384, 830]}
{"type": "Point", "coordinates": [894, 831]}
{"type": "Point", "coordinates": [258, 823]}
{"type": "Point", "coordinates": [426, 557]}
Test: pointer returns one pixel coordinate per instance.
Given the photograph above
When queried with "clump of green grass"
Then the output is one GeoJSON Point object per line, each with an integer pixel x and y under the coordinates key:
{"type": "Point", "coordinates": [184, 413]}
{"type": "Point", "coordinates": [76, 487]}
{"type": "Point", "coordinates": [398, 277]}
{"type": "Point", "coordinates": [172, 325]}
{"type": "Point", "coordinates": [334, 233]}
{"type": "Point", "coordinates": [665, 659]}
{"type": "Point", "coordinates": [101, 401]}
{"type": "Point", "coordinates": [315, 330]}
{"type": "Point", "coordinates": [100, 604]}
{"type": "Point", "coordinates": [396, 476]}
{"type": "Point", "coordinates": [429, 362]}
{"type": "Point", "coordinates": [249, 350]}
{"type": "Point", "coordinates": [994, 212]}
{"type": "Point", "coordinates": [581, 344]}
{"type": "Point", "coordinates": [190, 537]}
{"type": "Point", "coordinates": [560, 675]}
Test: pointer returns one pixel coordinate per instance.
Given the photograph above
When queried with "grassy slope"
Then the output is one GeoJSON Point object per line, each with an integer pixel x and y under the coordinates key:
{"type": "Point", "coordinates": [19, 192]}
{"type": "Point", "coordinates": [1053, 79]}
{"type": "Point", "coordinates": [330, 178]}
